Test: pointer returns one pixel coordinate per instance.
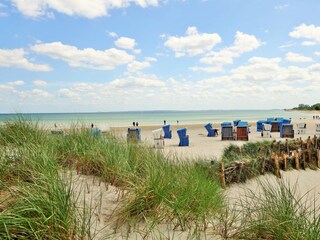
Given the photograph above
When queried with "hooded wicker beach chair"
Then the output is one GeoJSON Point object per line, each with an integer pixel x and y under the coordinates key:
{"type": "Point", "coordinates": [212, 132]}
{"type": "Point", "coordinates": [158, 137]}
{"type": "Point", "coordinates": [184, 138]}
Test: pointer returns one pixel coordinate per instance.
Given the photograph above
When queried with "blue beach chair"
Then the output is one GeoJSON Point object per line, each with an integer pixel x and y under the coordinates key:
{"type": "Point", "coordinates": [184, 138]}
{"type": "Point", "coordinates": [95, 132]}
{"type": "Point", "coordinates": [260, 124]}
{"type": "Point", "coordinates": [167, 131]}
{"type": "Point", "coordinates": [134, 134]}
{"type": "Point", "coordinates": [212, 132]}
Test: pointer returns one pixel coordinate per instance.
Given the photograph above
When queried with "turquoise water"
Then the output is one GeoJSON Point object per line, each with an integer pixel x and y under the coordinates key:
{"type": "Point", "coordinates": [115, 119]}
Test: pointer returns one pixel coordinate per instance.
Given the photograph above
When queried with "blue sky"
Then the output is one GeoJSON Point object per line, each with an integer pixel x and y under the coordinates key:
{"type": "Point", "coordinates": [119, 55]}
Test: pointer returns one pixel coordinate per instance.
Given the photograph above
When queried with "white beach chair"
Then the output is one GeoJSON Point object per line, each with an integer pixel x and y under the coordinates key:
{"type": "Point", "coordinates": [302, 128]}
{"type": "Point", "coordinates": [158, 136]}
{"type": "Point", "coordinates": [317, 128]}
{"type": "Point", "coordinates": [266, 130]}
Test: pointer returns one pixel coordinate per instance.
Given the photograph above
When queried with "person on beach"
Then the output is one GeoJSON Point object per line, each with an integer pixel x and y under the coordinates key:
{"type": "Point", "coordinates": [92, 125]}
{"type": "Point", "coordinates": [55, 125]}
{"type": "Point", "coordinates": [137, 124]}
{"type": "Point", "coordinates": [164, 122]}
{"type": "Point", "coordinates": [177, 122]}
{"type": "Point", "coordinates": [134, 124]}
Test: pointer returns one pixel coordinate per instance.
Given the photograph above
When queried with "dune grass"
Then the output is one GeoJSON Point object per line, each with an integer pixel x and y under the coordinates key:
{"type": "Point", "coordinates": [37, 202]}
{"type": "Point", "coordinates": [279, 212]}
{"type": "Point", "coordinates": [41, 203]}
{"type": "Point", "coordinates": [35, 199]}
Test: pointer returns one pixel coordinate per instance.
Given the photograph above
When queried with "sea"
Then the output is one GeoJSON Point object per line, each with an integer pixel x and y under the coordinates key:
{"type": "Point", "coordinates": [121, 119]}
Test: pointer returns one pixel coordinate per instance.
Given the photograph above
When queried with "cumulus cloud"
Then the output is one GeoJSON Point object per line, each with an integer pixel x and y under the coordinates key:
{"type": "Point", "coordinates": [83, 8]}
{"type": "Point", "coordinates": [16, 58]}
{"type": "Point", "coordinates": [113, 34]}
{"type": "Point", "coordinates": [11, 86]}
{"type": "Point", "coordinates": [310, 32]}
{"type": "Point", "coordinates": [39, 83]}
{"type": "Point", "coordinates": [193, 43]}
{"type": "Point", "coordinates": [317, 53]}
{"type": "Point", "coordinates": [136, 66]}
{"type": "Point", "coordinates": [34, 93]}
{"type": "Point", "coordinates": [308, 43]}
{"type": "Point", "coordinates": [85, 58]}
{"type": "Point", "coordinates": [144, 81]}
{"type": "Point", "coordinates": [295, 57]}
{"type": "Point", "coordinates": [243, 43]}
{"type": "Point", "coordinates": [125, 43]}
{"type": "Point", "coordinates": [67, 93]}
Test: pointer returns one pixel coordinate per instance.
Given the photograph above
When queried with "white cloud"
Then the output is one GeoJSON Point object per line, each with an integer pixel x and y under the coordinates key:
{"type": "Point", "coordinates": [86, 58]}
{"type": "Point", "coordinates": [144, 81]}
{"type": "Point", "coordinates": [193, 43]}
{"type": "Point", "coordinates": [295, 57]}
{"type": "Point", "coordinates": [39, 83]}
{"type": "Point", "coordinates": [16, 58]}
{"type": "Point", "coordinates": [10, 86]}
{"type": "Point", "coordinates": [136, 66]}
{"type": "Point", "coordinates": [281, 7]}
{"type": "Point", "coordinates": [317, 53]}
{"type": "Point", "coordinates": [113, 34]}
{"type": "Point", "coordinates": [125, 43]}
{"type": "Point", "coordinates": [83, 8]}
{"type": "Point", "coordinates": [150, 59]}
{"type": "Point", "coordinates": [34, 93]}
{"type": "Point", "coordinates": [17, 83]}
{"type": "Point", "coordinates": [310, 32]}
{"type": "Point", "coordinates": [65, 92]}
{"type": "Point", "coordinates": [243, 43]}
{"type": "Point", "coordinates": [308, 43]}
{"type": "Point", "coordinates": [136, 51]}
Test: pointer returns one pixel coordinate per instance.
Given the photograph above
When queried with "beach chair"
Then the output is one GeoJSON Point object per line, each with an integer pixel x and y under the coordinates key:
{"type": "Point", "coordinates": [286, 131]}
{"type": "Point", "coordinates": [227, 131]}
{"type": "Point", "coordinates": [134, 135]}
{"type": "Point", "coordinates": [184, 138]}
{"type": "Point", "coordinates": [317, 129]}
{"type": "Point", "coordinates": [95, 132]}
{"type": "Point", "coordinates": [270, 120]}
{"type": "Point", "coordinates": [259, 125]}
{"type": "Point", "coordinates": [242, 131]}
{"type": "Point", "coordinates": [266, 130]}
{"type": "Point", "coordinates": [167, 131]}
{"type": "Point", "coordinates": [302, 128]}
{"type": "Point", "coordinates": [158, 137]}
{"type": "Point", "coordinates": [275, 126]}
{"type": "Point", "coordinates": [212, 132]}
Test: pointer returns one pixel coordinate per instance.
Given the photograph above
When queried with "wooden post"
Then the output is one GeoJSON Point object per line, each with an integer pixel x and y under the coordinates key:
{"type": "Point", "coordinates": [287, 145]}
{"type": "Point", "coordinates": [304, 160]}
{"type": "Point", "coordinates": [296, 158]}
{"type": "Point", "coordinates": [222, 176]}
{"type": "Point", "coordinates": [318, 157]}
{"type": "Point", "coordinates": [284, 159]}
{"type": "Point", "coordinates": [276, 164]}
{"type": "Point", "coordinates": [315, 142]}
{"type": "Point", "coordinates": [308, 143]}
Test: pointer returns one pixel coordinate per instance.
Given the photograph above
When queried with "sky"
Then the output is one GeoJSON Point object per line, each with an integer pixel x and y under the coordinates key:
{"type": "Point", "coordinates": [136, 55]}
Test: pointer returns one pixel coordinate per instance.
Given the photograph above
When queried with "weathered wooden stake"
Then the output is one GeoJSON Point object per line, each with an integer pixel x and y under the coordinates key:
{"type": "Point", "coordinates": [276, 164]}
{"type": "Point", "coordinates": [318, 157]}
{"type": "Point", "coordinates": [222, 176]}
{"type": "Point", "coordinates": [296, 158]}
{"type": "Point", "coordinates": [284, 159]}
{"type": "Point", "coordinates": [304, 160]}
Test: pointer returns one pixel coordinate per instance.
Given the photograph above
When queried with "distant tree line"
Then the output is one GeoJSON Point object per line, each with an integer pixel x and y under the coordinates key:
{"type": "Point", "coordinates": [307, 107]}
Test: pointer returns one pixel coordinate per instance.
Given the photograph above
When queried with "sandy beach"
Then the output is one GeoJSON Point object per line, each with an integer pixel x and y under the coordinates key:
{"type": "Point", "coordinates": [207, 148]}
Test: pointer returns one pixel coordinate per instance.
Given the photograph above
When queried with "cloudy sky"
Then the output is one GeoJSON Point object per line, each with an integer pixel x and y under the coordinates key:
{"type": "Point", "coordinates": [119, 55]}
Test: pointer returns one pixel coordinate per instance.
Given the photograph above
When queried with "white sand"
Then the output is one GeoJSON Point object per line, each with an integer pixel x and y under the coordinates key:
{"type": "Point", "coordinates": [203, 147]}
